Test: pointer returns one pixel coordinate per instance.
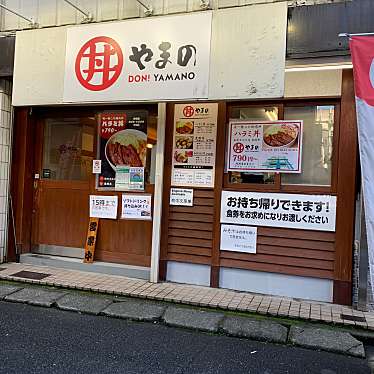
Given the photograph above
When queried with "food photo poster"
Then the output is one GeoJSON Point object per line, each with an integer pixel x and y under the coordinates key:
{"type": "Point", "coordinates": [265, 146]}
{"type": "Point", "coordinates": [122, 143]}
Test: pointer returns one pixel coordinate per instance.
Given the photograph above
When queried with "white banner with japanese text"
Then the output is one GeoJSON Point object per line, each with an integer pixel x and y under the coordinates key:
{"type": "Point", "coordinates": [157, 58]}
{"type": "Point", "coordinates": [194, 144]}
{"type": "Point", "coordinates": [263, 146]}
{"type": "Point", "coordinates": [307, 212]}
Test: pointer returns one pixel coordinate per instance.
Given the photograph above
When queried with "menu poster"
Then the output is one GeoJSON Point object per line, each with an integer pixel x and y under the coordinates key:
{"type": "Point", "coordinates": [122, 142]}
{"type": "Point", "coordinates": [194, 145]}
{"type": "Point", "coordinates": [265, 146]}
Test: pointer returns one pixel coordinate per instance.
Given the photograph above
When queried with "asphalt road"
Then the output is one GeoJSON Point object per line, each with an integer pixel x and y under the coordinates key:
{"type": "Point", "coordinates": [41, 340]}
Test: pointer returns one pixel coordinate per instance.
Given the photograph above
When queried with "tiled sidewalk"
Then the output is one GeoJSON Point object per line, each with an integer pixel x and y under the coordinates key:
{"type": "Point", "coordinates": [194, 295]}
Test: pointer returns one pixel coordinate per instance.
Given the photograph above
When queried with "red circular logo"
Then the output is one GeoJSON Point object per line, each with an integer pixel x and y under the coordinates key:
{"type": "Point", "coordinates": [188, 111]}
{"type": "Point", "coordinates": [238, 147]}
{"type": "Point", "coordinates": [99, 63]}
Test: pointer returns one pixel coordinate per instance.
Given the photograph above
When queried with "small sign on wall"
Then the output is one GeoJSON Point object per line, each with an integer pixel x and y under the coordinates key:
{"type": "Point", "coordinates": [129, 178]}
{"type": "Point", "coordinates": [103, 206]}
{"type": "Point", "coordinates": [181, 197]}
{"type": "Point", "coordinates": [96, 166]}
{"type": "Point", "coordinates": [238, 238]}
{"type": "Point", "coordinates": [136, 207]}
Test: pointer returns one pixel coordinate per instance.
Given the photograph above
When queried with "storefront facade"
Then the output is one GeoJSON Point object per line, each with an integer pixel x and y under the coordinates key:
{"type": "Point", "coordinates": [167, 106]}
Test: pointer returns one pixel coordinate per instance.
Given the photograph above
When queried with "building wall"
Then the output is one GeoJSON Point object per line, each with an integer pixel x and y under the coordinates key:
{"type": "Point", "coordinates": [49, 13]}
{"type": "Point", "coordinates": [5, 152]}
{"type": "Point", "coordinates": [317, 83]}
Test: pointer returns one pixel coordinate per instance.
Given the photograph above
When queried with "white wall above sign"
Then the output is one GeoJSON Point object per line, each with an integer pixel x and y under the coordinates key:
{"type": "Point", "coordinates": [240, 54]}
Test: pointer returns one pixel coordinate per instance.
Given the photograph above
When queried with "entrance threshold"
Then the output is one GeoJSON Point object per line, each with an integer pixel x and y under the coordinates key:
{"type": "Point", "coordinates": [77, 264]}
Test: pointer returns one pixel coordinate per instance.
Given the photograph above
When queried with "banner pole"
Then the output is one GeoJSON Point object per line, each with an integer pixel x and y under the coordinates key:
{"type": "Point", "coordinates": [363, 258]}
{"type": "Point", "coordinates": [348, 35]}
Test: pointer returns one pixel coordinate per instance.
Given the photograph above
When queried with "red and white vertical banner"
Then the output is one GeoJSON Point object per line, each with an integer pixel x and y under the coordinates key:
{"type": "Point", "coordinates": [362, 50]}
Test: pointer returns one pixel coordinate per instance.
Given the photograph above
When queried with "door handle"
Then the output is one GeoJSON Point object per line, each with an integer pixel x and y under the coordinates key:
{"type": "Point", "coordinates": [36, 194]}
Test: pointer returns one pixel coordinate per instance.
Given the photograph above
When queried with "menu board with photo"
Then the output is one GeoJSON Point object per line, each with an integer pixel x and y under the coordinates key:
{"type": "Point", "coordinates": [265, 146]}
{"type": "Point", "coordinates": [122, 142]}
{"type": "Point", "coordinates": [194, 145]}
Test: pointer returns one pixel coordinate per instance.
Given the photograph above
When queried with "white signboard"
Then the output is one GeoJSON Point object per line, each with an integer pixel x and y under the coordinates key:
{"type": "Point", "coordinates": [96, 166]}
{"type": "Point", "coordinates": [156, 58]}
{"type": "Point", "coordinates": [194, 145]}
{"type": "Point", "coordinates": [308, 212]}
{"type": "Point", "coordinates": [238, 238]}
{"type": "Point", "coordinates": [181, 197]}
{"type": "Point", "coordinates": [265, 146]}
{"type": "Point", "coordinates": [136, 207]}
{"type": "Point", "coordinates": [103, 206]}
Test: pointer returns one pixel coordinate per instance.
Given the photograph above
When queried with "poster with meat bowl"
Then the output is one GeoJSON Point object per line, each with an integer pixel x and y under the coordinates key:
{"type": "Point", "coordinates": [122, 142]}
{"type": "Point", "coordinates": [194, 145]}
{"type": "Point", "coordinates": [265, 146]}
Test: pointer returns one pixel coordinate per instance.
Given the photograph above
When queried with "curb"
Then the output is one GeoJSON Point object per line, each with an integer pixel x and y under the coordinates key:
{"type": "Point", "coordinates": [196, 318]}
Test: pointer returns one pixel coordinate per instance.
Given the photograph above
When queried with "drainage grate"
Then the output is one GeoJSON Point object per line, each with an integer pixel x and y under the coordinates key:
{"type": "Point", "coordinates": [1, 269]}
{"type": "Point", "coordinates": [30, 275]}
{"type": "Point", "coordinates": [352, 318]}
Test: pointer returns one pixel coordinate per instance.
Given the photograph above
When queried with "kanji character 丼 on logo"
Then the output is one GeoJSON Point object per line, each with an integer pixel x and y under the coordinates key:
{"type": "Point", "coordinates": [99, 63]}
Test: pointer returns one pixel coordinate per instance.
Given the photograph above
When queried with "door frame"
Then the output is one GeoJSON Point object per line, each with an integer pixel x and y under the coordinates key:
{"type": "Point", "coordinates": [39, 183]}
{"type": "Point", "coordinates": [27, 151]}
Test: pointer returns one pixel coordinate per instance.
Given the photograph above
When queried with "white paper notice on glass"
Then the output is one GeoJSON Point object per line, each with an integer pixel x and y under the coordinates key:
{"type": "Point", "coordinates": [96, 166]}
{"type": "Point", "coordinates": [238, 238]}
{"type": "Point", "coordinates": [103, 206]}
{"type": "Point", "coordinates": [181, 196]}
{"type": "Point", "coordinates": [136, 207]}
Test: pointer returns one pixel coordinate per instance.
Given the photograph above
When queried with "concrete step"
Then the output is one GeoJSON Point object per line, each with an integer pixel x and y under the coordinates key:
{"type": "Point", "coordinates": [77, 264]}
